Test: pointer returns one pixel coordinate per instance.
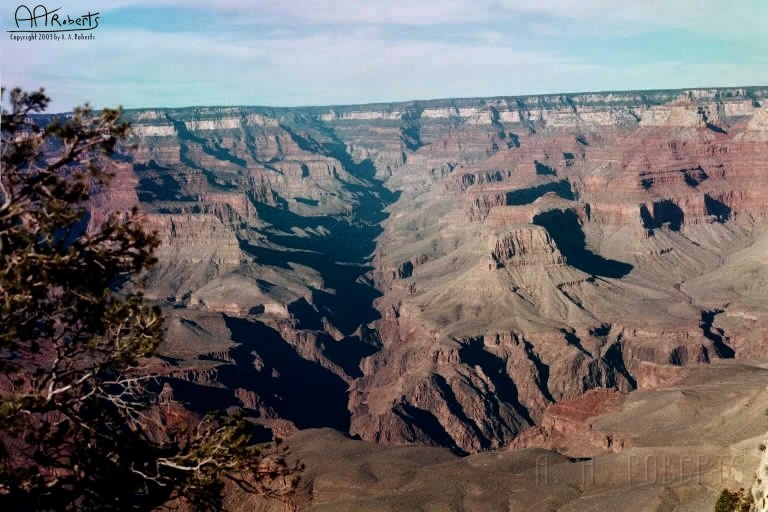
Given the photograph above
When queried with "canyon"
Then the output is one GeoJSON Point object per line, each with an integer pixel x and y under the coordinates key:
{"type": "Point", "coordinates": [476, 276]}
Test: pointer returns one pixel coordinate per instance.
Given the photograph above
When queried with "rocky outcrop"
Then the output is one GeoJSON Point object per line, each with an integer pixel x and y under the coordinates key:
{"type": "Point", "coordinates": [189, 237]}
{"type": "Point", "coordinates": [480, 204]}
{"type": "Point", "coordinates": [524, 245]}
{"type": "Point", "coordinates": [477, 393]}
{"type": "Point", "coordinates": [468, 178]}
{"type": "Point", "coordinates": [565, 426]}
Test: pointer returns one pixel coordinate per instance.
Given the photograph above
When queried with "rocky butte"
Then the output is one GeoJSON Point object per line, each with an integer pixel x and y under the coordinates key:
{"type": "Point", "coordinates": [468, 274]}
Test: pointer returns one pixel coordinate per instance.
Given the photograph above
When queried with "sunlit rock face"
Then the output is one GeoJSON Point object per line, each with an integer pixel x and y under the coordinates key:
{"type": "Point", "coordinates": [444, 271]}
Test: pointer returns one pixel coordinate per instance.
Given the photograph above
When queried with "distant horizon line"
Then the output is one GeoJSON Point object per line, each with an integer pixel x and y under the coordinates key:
{"type": "Point", "coordinates": [431, 100]}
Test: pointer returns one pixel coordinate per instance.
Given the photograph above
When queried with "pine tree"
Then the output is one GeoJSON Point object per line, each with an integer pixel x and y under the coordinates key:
{"type": "Point", "coordinates": [80, 428]}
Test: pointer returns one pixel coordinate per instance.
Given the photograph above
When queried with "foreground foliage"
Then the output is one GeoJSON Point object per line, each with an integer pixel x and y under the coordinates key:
{"type": "Point", "coordinates": [80, 423]}
{"type": "Point", "coordinates": [734, 501]}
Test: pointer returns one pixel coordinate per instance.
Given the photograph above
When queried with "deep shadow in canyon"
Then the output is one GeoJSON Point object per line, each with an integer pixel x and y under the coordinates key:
{"type": "Point", "coordinates": [564, 227]}
{"type": "Point", "coordinates": [528, 195]}
{"type": "Point", "coordinates": [343, 255]}
{"type": "Point", "coordinates": [299, 390]}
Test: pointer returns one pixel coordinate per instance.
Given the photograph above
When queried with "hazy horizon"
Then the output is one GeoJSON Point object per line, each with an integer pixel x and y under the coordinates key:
{"type": "Point", "coordinates": [419, 100]}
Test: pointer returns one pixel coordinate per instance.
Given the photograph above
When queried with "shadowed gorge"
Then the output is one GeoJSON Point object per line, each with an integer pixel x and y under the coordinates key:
{"type": "Point", "coordinates": [663, 212]}
{"type": "Point", "coordinates": [297, 389]}
{"type": "Point", "coordinates": [567, 233]}
{"type": "Point", "coordinates": [474, 355]}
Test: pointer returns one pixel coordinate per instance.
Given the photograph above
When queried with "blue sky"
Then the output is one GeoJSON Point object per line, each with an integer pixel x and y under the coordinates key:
{"type": "Point", "coordinates": [315, 52]}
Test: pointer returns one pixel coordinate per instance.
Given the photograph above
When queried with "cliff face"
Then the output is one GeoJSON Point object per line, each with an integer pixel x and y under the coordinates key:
{"type": "Point", "coordinates": [443, 271]}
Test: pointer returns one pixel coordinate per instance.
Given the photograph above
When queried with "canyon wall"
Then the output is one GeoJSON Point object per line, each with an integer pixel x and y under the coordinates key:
{"type": "Point", "coordinates": [444, 271]}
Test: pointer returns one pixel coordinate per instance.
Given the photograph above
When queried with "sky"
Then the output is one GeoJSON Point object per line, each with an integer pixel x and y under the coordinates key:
{"type": "Point", "coordinates": [172, 53]}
